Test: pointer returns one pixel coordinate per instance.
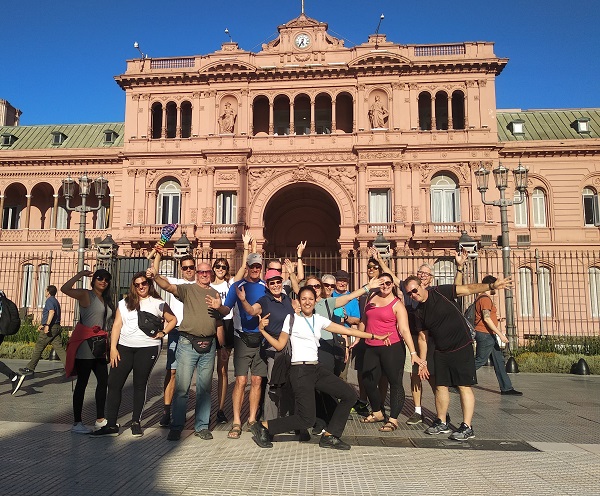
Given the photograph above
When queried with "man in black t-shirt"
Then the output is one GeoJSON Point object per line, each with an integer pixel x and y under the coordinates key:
{"type": "Point", "coordinates": [438, 316]}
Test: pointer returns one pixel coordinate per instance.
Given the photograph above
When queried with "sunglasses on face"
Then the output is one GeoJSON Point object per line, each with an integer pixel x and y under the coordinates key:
{"type": "Point", "coordinates": [275, 283]}
{"type": "Point", "coordinates": [188, 267]}
{"type": "Point", "coordinates": [370, 266]}
{"type": "Point", "coordinates": [421, 273]}
{"type": "Point", "coordinates": [256, 266]}
{"type": "Point", "coordinates": [203, 272]}
{"type": "Point", "coordinates": [342, 281]}
{"type": "Point", "coordinates": [224, 267]}
{"type": "Point", "coordinates": [413, 291]}
{"type": "Point", "coordinates": [326, 285]}
{"type": "Point", "coordinates": [387, 284]}
{"type": "Point", "coordinates": [103, 278]}
{"type": "Point", "coordinates": [314, 286]}
{"type": "Point", "coordinates": [140, 284]}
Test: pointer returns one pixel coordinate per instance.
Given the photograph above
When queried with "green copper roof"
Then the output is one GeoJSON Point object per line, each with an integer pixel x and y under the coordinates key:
{"type": "Point", "coordinates": [77, 136]}
{"type": "Point", "coordinates": [548, 124]}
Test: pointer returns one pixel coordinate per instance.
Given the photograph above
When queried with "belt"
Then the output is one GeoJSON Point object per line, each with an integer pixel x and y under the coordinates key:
{"type": "Point", "coordinates": [306, 363]}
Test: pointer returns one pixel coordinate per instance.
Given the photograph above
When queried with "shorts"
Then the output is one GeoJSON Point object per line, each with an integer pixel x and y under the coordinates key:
{"type": "Point", "coordinates": [172, 340]}
{"type": "Point", "coordinates": [455, 368]}
{"type": "Point", "coordinates": [228, 327]}
{"type": "Point", "coordinates": [414, 369]}
{"type": "Point", "coordinates": [245, 358]}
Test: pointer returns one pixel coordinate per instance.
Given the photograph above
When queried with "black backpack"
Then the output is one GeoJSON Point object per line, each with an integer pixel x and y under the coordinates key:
{"type": "Point", "coordinates": [10, 322]}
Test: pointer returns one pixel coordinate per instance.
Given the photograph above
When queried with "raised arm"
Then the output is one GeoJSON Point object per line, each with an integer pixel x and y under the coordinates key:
{"type": "Point", "coordinates": [80, 294]}
{"type": "Point", "coordinates": [161, 281]}
{"type": "Point", "coordinates": [293, 279]}
{"type": "Point", "coordinates": [460, 258]}
{"type": "Point", "coordinates": [374, 283]}
{"type": "Point", "coordinates": [247, 239]}
{"type": "Point", "coordinates": [467, 289]}
{"type": "Point", "coordinates": [299, 250]}
{"type": "Point", "coordinates": [384, 267]}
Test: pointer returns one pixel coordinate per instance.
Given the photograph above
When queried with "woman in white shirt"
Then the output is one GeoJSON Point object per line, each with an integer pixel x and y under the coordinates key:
{"type": "Point", "coordinates": [133, 349]}
{"type": "Point", "coordinates": [306, 375]}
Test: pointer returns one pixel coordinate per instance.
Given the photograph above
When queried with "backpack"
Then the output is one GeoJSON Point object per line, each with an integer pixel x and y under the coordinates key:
{"type": "Point", "coordinates": [283, 361]}
{"type": "Point", "coordinates": [10, 322]}
{"type": "Point", "coordinates": [470, 314]}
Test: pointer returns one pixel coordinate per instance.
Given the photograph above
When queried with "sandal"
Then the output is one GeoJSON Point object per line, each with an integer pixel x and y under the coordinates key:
{"type": "Point", "coordinates": [371, 419]}
{"type": "Point", "coordinates": [249, 425]}
{"type": "Point", "coordinates": [235, 432]}
{"type": "Point", "coordinates": [389, 426]}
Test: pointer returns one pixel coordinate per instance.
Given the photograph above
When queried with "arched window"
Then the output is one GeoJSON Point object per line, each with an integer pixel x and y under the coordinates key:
{"type": "Point", "coordinates": [26, 285]}
{"type": "Point", "coordinates": [445, 200]}
{"type": "Point", "coordinates": [520, 210]}
{"type": "Point", "coordinates": [444, 272]}
{"type": "Point", "coordinates": [344, 112]}
{"type": "Point", "coordinates": [591, 210]}
{"type": "Point", "coordinates": [458, 110]}
{"type": "Point", "coordinates": [424, 111]}
{"type": "Point", "coordinates": [525, 292]}
{"type": "Point", "coordinates": [302, 114]}
{"type": "Point", "coordinates": [186, 119]}
{"type": "Point", "coordinates": [281, 115]}
{"type": "Point", "coordinates": [260, 115]}
{"type": "Point", "coordinates": [545, 292]}
{"type": "Point", "coordinates": [594, 277]}
{"type": "Point", "coordinates": [11, 218]}
{"type": "Point", "coordinates": [538, 202]}
{"type": "Point", "coordinates": [323, 114]}
{"type": "Point", "coordinates": [168, 203]}
{"type": "Point", "coordinates": [171, 120]}
{"type": "Point", "coordinates": [441, 111]}
{"type": "Point", "coordinates": [43, 281]}
{"type": "Point", "coordinates": [157, 116]}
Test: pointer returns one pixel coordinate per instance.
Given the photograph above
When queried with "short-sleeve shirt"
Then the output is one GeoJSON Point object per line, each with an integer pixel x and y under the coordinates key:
{"type": "Point", "coordinates": [278, 311]}
{"type": "Point", "coordinates": [198, 319]}
{"type": "Point", "coordinates": [305, 336]}
{"type": "Point", "coordinates": [351, 308]}
{"type": "Point", "coordinates": [223, 288]}
{"type": "Point", "coordinates": [131, 335]}
{"type": "Point", "coordinates": [51, 304]}
{"type": "Point", "coordinates": [485, 303]}
{"type": "Point", "coordinates": [321, 308]}
{"type": "Point", "coordinates": [175, 303]}
{"type": "Point", "coordinates": [241, 320]}
{"type": "Point", "coordinates": [442, 318]}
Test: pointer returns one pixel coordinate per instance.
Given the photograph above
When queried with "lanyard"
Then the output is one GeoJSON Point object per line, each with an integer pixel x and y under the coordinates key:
{"type": "Point", "coordinates": [313, 323]}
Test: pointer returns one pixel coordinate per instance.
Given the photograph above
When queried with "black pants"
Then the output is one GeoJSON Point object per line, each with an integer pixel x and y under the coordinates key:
{"type": "Point", "coordinates": [141, 361]}
{"type": "Point", "coordinates": [84, 368]}
{"type": "Point", "coordinates": [388, 360]}
{"type": "Point", "coordinates": [5, 369]}
{"type": "Point", "coordinates": [305, 379]}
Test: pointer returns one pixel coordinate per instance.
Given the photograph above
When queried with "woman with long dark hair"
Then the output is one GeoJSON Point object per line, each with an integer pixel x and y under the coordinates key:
{"type": "Point", "coordinates": [135, 349]}
{"type": "Point", "coordinates": [88, 344]}
{"type": "Point", "coordinates": [385, 315]}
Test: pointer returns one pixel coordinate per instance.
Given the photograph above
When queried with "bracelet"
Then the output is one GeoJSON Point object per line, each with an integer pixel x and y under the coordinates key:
{"type": "Point", "coordinates": [372, 336]}
{"type": "Point", "coordinates": [413, 352]}
{"type": "Point", "coordinates": [460, 270]}
{"type": "Point", "coordinates": [366, 288]}
{"type": "Point", "coordinates": [299, 258]}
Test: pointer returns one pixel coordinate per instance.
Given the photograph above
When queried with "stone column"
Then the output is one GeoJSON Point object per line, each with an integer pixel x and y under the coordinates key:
{"type": "Point", "coordinates": [433, 116]}
{"type": "Point", "coordinates": [450, 123]}
{"type": "Point", "coordinates": [163, 131]}
{"type": "Point", "coordinates": [242, 203]}
{"type": "Point", "coordinates": [292, 129]}
{"type": "Point", "coordinates": [178, 125]}
{"type": "Point", "coordinates": [27, 212]}
{"type": "Point", "coordinates": [1, 210]}
{"type": "Point", "coordinates": [333, 122]}
{"type": "Point", "coordinates": [397, 168]}
{"type": "Point", "coordinates": [362, 196]}
{"type": "Point", "coordinates": [312, 116]}
{"type": "Point", "coordinates": [271, 124]}
{"type": "Point", "coordinates": [54, 211]}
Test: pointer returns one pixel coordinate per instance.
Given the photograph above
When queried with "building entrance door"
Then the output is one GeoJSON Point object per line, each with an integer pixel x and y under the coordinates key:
{"type": "Point", "coordinates": [301, 212]}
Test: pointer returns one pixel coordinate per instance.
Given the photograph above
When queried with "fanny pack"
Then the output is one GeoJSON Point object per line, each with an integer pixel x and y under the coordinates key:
{"type": "Point", "coordinates": [149, 323]}
{"type": "Point", "coordinates": [251, 339]}
{"type": "Point", "coordinates": [200, 344]}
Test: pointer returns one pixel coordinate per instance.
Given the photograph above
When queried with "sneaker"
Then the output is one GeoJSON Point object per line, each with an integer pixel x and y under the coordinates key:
{"type": "Point", "coordinates": [99, 425]}
{"type": "Point", "coordinates": [463, 433]}
{"type": "Point", "coordinates": [319, 427]}
{"type": "Point", "coordinates": [136, 429]}
{"type": "Point", "coordinates": [361, 408]}
{"type": "Point", "coordinates": [221, 417]}
{"type": "Point", "coordinates": [165, 420]}
{"type": "Point", "coordinates": [415, 418]}
{"type": "Point", "coordinates": [174, 435]}
{"type": "Point", "coordinates": [79, 428]}
{"type": "Point", "coordinates": [106, 431]}
{"type": "Point", "coordinates": [512, 392]}
{"type": "Point", "coordinates": [438, 427]}
{"type": "Point", "coordinates": [204, 434]}
{"type": "Point", "coordinates": [16, 383]}
{"type": "Point", "coordinates": [333, 442]}
{"type": "Point", "coordinates": [26, 371]}
{"type": "Point", "coordinates": [304, 436]}
{"type": "Point", "coordinates": [261, 435]}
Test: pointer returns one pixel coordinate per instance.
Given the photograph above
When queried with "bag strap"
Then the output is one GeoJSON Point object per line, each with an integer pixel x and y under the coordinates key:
{"type": "Point", "coordinates": [328, 309]}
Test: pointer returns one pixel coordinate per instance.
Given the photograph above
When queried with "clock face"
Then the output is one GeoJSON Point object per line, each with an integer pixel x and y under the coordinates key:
{"type": "Point", "coordinates": [302, 40]}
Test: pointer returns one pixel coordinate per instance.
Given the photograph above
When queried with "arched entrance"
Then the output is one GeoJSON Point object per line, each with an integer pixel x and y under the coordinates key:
{"type": "Point", "coordinates": [297, 212]}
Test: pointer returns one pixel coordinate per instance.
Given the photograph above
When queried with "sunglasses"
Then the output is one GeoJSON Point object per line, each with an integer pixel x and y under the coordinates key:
{"type": "Point", "coordinates": [140, 284]}
{"type": "Point", "coordinates": [325, 285]}
{"type": "Point", "coordinates": [102, 278]}
{"type": "Point", "coordinates": [203, 272]}
{"type": "Point", "coordinates": [256, 266]}
{"type": "Point", "coordinates": [370, 266]}
{"type": "Point", "coordinates": [413, 291]}
{"type": "Point", "coordinates": [421, 273]}
{"type": "Point", "coordinates": [314, 286]}
{"type": "Point", "coordinates": [188, 267]}
{"type": "Point", "coordinates": [387, 284]}
{"type": "Point", "coordinates": [224, 267]}
{"type": "Point", "coordinates": [275, 283]}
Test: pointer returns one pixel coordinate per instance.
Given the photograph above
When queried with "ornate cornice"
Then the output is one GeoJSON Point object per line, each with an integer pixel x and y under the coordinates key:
{"type": "Point", "coordinates": [295, 158]}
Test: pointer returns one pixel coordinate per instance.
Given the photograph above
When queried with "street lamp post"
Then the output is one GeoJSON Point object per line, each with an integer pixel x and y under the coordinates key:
{"type": "Point", "coordinates": [501, 180]}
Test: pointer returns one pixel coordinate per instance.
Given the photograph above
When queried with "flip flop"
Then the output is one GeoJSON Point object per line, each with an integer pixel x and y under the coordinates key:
{"type": "Point", "coordinates": [235, 432]}
{"type": "Point", "coordinates": [388, 427]}
{"type": "Point", "coordinates": [371, 419]}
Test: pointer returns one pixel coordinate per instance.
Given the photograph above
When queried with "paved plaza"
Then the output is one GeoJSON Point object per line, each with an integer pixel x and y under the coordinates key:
{"type": "Point", "coordinates": [545, 442]}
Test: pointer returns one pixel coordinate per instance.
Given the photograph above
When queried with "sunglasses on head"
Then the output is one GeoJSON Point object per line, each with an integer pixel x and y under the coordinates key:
{"type": "Point", "coordinates": [413, 291]}
{"type": "Point", "coordinates": [314, 286]}
{"type": "Point", "coordinates": [203, 272]}
{"type": "Point", "coordinates": [188, 267]}
{"type": "Point", "coordinates": [387, 283]}
{"type": "Point", "coordinates": [103, 278]}
{"type": "Point", "coordinates": [140, 284]}
{"type": "Point", "coordinates": [224, 267]}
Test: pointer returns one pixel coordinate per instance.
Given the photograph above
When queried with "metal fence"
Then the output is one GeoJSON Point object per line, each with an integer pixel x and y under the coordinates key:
{"type": "Point", "coordinates": [555, 293]}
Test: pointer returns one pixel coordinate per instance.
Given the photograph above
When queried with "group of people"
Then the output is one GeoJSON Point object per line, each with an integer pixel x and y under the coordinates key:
{"type": "Point", "coordinates": [318, 322]}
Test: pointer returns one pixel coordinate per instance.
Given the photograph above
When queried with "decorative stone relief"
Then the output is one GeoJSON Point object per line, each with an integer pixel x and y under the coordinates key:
{"type": "Point", "coordinates": [151, 177]}
{"type": "Point", "coordinates": [346, 176]}
{"type": "Point", "coordinates": [489, 213]}
{"type": "Point", "coordinates": [207, 215]}
{"type": "Point", "coordinates": [476, 213]}
{"type": "Point", "coordinates": [399, 213]}
{"type": "Point", "coordinates": [415, 214]}
{"type": "Point", "coordinates": [463, 168]}
{"type": "Point", "coordinates": [380, 155]}
{"type": "Point", "coordinates": [256, 178]}
{"type": "Point", "coordinates": [379, 175]}
{"type": "Point", "coordinates": [302, 174]}
{"type": "Point", "coordinates": [131, 172]}
{"type": "Point", "coordinates": [194, 215]}
{"type": "Point", "coordinates": [425, 171]}
{"type": "Point", "coordinates": [362, 213]}
{"type": "Point", "coordinates": [226, 177]}
{"type": "Point", "coordinates": [295, 158]}
{"type": "Point", "coordinates": [140, 217]}
{"type": "Point", "coordinates": [241, 215]}
{"type": "Point", "coordinates": [185, 178]}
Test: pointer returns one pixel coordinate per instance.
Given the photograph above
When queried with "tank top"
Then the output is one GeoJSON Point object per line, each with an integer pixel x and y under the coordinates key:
{"type": "Point", "coordinates": [90, 316]}
{"type": "Point", "coordinates": [382, 321]}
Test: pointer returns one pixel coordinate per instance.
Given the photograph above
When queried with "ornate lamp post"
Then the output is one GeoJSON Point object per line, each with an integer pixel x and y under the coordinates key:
{"type": "Point", "coordinates": [501, 179]}
{"type": "Point", "coordinates": [181, 247]}
{"type": "Point", "coordinates": [85, 185]}
{"type": "Point", "coordinates": [382, 245]}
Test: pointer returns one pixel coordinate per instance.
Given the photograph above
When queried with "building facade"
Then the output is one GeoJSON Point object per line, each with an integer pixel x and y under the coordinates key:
{"type": "Point", "coordinates": [310, 140]}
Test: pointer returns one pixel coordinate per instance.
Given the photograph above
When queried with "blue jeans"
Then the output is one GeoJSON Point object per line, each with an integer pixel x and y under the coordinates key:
{"type": "Point", "coordinates": [189, 360]}
{"type": "Point", "coordinates": [486, 346]}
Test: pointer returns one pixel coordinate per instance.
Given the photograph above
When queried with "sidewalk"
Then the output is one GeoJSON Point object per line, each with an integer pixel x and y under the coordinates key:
{"type": "Point", "coordinates": [545, 442]}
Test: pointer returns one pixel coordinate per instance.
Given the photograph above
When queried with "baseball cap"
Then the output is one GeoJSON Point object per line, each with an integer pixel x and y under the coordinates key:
{"type": "Point", "coordinates": [273, 274]}
{"type": "Point", "coordinates": [254, 258]}
{"type": "Point", "coordinates": [341, 274]}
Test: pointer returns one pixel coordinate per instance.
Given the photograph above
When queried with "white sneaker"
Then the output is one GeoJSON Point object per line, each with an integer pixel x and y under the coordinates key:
{"type": "Point", "coordinates": [99, 425]}
{"type": "Point", "coordinates": [79, 428]}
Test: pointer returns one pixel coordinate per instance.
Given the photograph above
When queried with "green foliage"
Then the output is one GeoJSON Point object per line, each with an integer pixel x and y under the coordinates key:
{"type": "Point", "coordinates": [549, 362]}
{"type": "Point", "coordinates": [28, 333]}
{"type": "Point", "coordinates": [563, 345]}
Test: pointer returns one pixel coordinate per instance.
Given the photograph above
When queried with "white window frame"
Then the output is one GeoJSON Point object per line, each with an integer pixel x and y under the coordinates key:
{"type": "Point", "coordinates": [545, 292]}
{"type": "Point", "coordinates": [380, 206]}
{"type": "Point", "coordinates": [444, 271]}
{"type": "Point", "coordinates": [520, 210]}
{"type": "Point", "coordinates": [538, 203]}
{"type": "Point", "coordinates": [594, 280]}
{"type": "Point", "coordinates": [445, 200]}
{"type": "Point", "coordinates": [26, 285]}
{"type": "Point", "coordinates": [168, 200]}
{"type": "Point", "coordinates": [591, 195]}
{"type": "Point", "coordinates": [226, 211]}
{"type": "Point", "coordinates": [42, 283]}
{"type": "Point", "coordinates": [12, 217]}
{"type": "Point", "coordinates": [102, 217]}
{"type": "Point", "coordinates": [526, 292]}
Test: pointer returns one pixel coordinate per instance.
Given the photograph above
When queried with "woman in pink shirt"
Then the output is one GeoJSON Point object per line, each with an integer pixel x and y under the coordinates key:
{"type": "Point", "coordinates": [385, 314]}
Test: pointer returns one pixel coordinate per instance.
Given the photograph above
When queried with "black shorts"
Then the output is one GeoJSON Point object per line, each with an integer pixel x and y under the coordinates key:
{"type": "Point", "coordinates": [455, 368]}
{"type": "Point", "coordinates": [228, 327]}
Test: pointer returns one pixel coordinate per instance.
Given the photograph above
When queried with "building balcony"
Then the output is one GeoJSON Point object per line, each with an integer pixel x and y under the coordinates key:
{"type": "Point", "coordinates": [48, 235]}
{"type": "Point", "coordinates": [442, 231]}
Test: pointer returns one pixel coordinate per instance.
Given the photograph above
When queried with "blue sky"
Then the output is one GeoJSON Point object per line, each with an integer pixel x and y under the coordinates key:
{"type": "Point", "coordinates": [59, 58]}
